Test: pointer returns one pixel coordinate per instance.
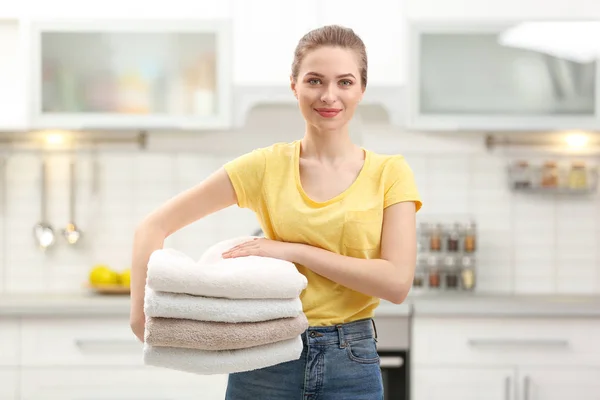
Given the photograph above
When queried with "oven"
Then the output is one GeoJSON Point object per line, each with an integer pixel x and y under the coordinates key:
{"type": "Point", "coordinates": [394, 369]}
{"type": "Point", "coordinates": [393, 346]}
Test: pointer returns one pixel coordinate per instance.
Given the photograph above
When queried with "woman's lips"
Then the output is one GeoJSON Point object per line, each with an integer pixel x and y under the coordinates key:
{"type": "Point", "coordinates": [328, 112]}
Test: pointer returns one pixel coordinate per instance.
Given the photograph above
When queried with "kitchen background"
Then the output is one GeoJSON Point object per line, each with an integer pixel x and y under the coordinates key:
{"type": "Point", "coordinates": [152, 116]}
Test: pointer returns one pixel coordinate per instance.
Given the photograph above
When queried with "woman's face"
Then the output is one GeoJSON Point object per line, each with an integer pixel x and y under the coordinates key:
{"type": "Point", "coordinates": [328, 87]}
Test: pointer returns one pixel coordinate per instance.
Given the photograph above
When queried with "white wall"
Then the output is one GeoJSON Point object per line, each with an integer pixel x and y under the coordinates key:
{"type": "Point", "coordinates": [528, 244]}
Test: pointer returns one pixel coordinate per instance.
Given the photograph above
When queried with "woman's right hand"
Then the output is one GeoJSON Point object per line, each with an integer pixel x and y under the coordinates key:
{"type": "Point", "coordinates": [138, 325]}
{"type": "Point", "coordinates": [214, 193]}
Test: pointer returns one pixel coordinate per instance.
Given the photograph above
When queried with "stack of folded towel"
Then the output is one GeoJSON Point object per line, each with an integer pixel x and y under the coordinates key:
{"type": "Point", "coordinates": [218, 315]}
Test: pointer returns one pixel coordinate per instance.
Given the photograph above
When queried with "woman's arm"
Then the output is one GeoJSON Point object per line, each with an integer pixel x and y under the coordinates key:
{"type": "Point", "coordinates": [389, 277]}
{"type": "Point", "coordinates": [211, 195]}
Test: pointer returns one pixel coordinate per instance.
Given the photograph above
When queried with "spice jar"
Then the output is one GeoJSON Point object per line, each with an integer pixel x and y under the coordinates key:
{"type": "Point", "coordinates": [453, 239]}
{"type": "Point", "coordinates": [452, 273]}
{"type": "Point", "coordinates": [434, 272]}
{"type": "Point", "coordinates": [420, 275]}
{"type": "Point", "coordinates": [549, 175]}
{"type": "Point", "coordinates": [435, 238]}
{"type": "Point", "coordinates": [578, 175]}
{"type": "Point", "coordinates": [521, 175]}
{"type": "Point", "coordinates": [423, 237]}
{"type": "Point", "coordinates": [469, 242]}
{"type": "Point", "coordinates": [468, 273]}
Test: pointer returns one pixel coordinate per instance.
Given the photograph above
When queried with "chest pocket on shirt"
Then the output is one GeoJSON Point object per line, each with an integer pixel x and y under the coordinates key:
{"type": "Point", "coordinates": [362, 233]}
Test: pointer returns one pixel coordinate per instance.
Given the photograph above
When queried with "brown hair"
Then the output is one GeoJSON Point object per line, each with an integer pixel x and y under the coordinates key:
{"type": "Point", "coordinates": [334, 36]}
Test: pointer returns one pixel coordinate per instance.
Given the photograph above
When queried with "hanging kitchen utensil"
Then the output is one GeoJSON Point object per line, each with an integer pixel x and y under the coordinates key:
{"type": "Point", "coordinates": [71, 233]}
{"type": "Point", "coordinates": [43, 231]}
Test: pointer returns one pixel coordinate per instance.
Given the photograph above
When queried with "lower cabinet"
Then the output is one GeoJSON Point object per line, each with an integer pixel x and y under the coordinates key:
{"type": "Point", "coordinates": [9, 387]}
{"type": "Point", "coordinates": [460, 383]}
{"type": "Point", "coordinates": [102, 383]}
{"type": "Point", "coordinates": [531, 383]}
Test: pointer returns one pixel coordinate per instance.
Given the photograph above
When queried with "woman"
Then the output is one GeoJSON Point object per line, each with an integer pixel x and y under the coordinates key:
{"type": "Point", "coordinates": [344, 215]}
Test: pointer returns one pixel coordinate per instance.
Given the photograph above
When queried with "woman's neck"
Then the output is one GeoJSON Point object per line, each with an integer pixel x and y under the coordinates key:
{"type": "Point", "coordinates": [330, 146]}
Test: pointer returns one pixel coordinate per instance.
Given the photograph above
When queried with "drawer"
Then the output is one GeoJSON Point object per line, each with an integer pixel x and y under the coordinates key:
{"type": "Point", "coordinates": [96, 383]}
{"type": "Point", "coordinates": [79, 341]}
{"type": "Point", "coordinates": [9, 345]}
{"type": "Point", "coordinates": [499, 341]}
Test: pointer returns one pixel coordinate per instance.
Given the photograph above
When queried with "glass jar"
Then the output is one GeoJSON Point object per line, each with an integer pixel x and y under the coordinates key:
{"type": "Point", "coordinates": [469, 240]}
{"type": "Point", "coordinates": [435, 238]}
{"type": "Point", "coordinates": [453, 242]}
{"type": "Point", "coordinates": [467, 272]}
{"type": "Point", "coordinates": [578, 176]}
{"type": "Point", "coordinates": [420, 274]}
{"type": "Point", "coordinates": [521, 175]}
{"type": "Point", "coordinates": [452, 273]}
{"type": "Point", "coordinates": [549, 175]}
{"type": "Point", "coordinates": [434, 273]}
{"type": "Point", "coordinates": [424, 231]}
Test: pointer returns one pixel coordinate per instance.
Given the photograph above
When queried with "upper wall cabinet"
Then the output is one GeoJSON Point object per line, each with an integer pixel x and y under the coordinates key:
{"type": "Point", "coordinates": [115, 74]}
{"type": "Point", "coordinates": [13, 90]}
{"type": "Point", "coordinates": [462, 78]}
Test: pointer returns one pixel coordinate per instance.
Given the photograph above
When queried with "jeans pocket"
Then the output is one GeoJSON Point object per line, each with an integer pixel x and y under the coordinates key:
{"type": "Point", "coordinates": [363, 351]}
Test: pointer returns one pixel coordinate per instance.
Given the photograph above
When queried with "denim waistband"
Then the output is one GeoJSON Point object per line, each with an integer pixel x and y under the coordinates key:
{"type": "Point", "coordinates": [341, 333]}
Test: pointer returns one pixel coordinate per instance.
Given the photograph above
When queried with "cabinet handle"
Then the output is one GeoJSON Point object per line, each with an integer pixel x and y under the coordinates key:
{"type": "Point", "coordinates": [526, 386]}
{"type": "Point", "coordinates": [507, 387]}
{"type": "Point", "coordinates": [105, 342]}
{"type": "Point", "coordinates": [391, 362]}
{"type": "Point", "coordinates": [519, 342]}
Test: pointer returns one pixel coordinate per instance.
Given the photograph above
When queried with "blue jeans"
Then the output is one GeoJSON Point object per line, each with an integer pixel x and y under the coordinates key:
{"type": "Point", "coordinates": [337, 362]}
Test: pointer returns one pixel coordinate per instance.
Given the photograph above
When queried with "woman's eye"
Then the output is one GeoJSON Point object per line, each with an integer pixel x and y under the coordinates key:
{"type": "Point", "coordinates": [314, 81]}
{"type": "Point", "coordinates": [346, 82]}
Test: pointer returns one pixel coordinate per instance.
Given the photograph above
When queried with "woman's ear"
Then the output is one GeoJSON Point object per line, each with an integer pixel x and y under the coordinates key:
{"type": "Point", "coordinates": [293, 86]}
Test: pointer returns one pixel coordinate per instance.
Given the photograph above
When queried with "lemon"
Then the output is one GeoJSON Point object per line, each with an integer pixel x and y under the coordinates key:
{"type": "Point", "coordinates": [125, 278]}
{"type": "Point", "coordinates": [103, 275]}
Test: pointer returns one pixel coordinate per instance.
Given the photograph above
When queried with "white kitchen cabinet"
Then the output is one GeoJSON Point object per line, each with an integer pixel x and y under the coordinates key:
{"type": "Point", "coordinates": [515, 359]}
{"type": "Point", "coordinates": [123, 74]}
{"type": "Point", "coordinates": [119, 383]}
{"type": "Point", "coordinates": [386, 48]}
{"type": "Point", "coordinates": [13, 92]}
{"type": "Point", "coordinates": [79, 342]}
{"type": "Point", "coordinates": [543, 383]}
{"type": "Point", "coordinates": [9, 343]}
{"type": "Point", "coordinates": [444, 383]}
{"type": "Point", "coordinates": [461, 77]}
{"type": "Point", "coordinates": [9, 387]}
{"type": "Point", "coordinates": [266, 33]}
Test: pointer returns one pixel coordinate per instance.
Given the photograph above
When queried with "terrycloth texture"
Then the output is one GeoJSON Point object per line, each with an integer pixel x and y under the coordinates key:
{"type": "Point", "coordinates": [204, 335]}
{"type": "Point", "coordinates": [238, 278]}
{"type": "Point", "coordinates": [207, 362]}
{"type": "Point", "coordinates": [180, 305]}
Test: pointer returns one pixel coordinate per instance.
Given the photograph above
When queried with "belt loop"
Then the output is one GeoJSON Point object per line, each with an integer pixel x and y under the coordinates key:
{"type": "Point", "coordinates": [340, 329]}
{"type": "Point", "coordinates": [374, 328]}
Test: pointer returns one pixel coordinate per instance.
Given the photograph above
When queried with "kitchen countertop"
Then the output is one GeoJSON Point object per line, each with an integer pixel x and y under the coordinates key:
{"type": "Point", "coordinates": [86, 304]}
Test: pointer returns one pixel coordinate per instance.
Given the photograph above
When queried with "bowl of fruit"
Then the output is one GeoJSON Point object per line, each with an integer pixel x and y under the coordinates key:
{"type": "Point", "coordinates": [106, 280]}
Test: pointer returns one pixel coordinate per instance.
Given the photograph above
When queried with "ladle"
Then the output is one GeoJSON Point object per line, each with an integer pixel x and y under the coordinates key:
{"type": "Point", "coordinates": [43, 231]}
{"type": "Point", "coordinates": [71, 233]}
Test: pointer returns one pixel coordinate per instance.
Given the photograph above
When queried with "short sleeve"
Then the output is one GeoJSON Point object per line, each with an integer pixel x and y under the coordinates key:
{"type": "Point", "coordinates": [400, 183]}
{"type": "Point", "coordinates": [247, 173]}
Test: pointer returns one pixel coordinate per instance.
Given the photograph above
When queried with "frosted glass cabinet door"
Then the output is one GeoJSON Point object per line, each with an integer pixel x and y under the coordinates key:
{"type": "Point", "coordinates": [468, 77]}
{"type": "Point", "coordinates": [115, 74]}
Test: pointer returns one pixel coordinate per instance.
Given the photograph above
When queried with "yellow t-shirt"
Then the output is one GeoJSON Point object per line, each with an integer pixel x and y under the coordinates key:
{"type": "Point", "coordinates": [267, 181]}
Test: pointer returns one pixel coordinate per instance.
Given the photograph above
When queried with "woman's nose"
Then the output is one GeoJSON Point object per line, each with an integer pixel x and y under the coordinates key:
{"type": "Point", "coordinates": [329, 95]}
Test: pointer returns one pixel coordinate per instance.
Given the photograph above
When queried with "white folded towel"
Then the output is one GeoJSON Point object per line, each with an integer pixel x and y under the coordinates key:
{"type": "Point", "coordinates": [179, 305]}
{"type": "Point", "coordinates": [209, 362]}
{"type": "Point", "coordinates": [236, 278]}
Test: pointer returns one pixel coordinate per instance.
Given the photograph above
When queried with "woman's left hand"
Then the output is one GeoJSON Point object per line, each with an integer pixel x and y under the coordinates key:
{"type": "Point", "coordinates": [260, 247]}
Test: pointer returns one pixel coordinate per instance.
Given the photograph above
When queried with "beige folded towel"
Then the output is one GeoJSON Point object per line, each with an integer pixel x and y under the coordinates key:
{"type": "Point", "coordinates": [208, 335]}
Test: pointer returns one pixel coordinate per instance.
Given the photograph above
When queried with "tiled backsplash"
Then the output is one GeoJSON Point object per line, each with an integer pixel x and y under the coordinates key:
{"type": "Point", "coordinates": [527, 243]}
